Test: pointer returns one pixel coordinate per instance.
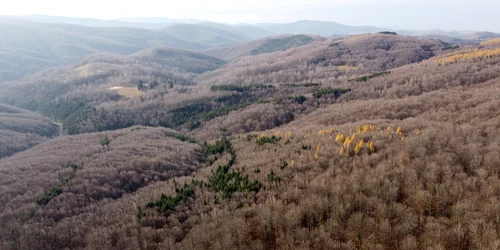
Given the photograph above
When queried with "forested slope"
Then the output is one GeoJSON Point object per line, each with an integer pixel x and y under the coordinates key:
{"type": "Point", "coordinates": [85, 104]}
{"type": "Point", "coordinates": [21, 129]}
{"type": "Point", "coordinates": [61, 92]}
{"type": "Point", "coordinates": [262, 46]}
{"type": "Point", "coordinates": [326, 61]}
{"type": "Point", "coordinates": [26, 47]}
{"type": "Point", "coordinates": [377, 141]}
{"type": "Point", "coordinates": [413, 167]}
{"type": "Point", "coordinates": [205, 34]}
{"type": "Point", "coordinates": [68, 181]}
{"type": "Point", "coordinates": [317, 73]}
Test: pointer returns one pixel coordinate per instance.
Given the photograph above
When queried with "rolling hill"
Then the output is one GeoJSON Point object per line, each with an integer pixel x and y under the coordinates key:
{"type": "Point", "coordinates": [371, 141]}
{"type": "Point", "coordinates": [26, 48]}
{"type": "Point", "coordinates": [205, 34]}
{"type": "Point", "coordinates": [318, 28]}
{"type": "Point", "coordinates": [250, 31]}
{"type": "Point", "coordinates": [454, 37]}
{"type": "Point", "coordinates": [90, 22]}
{"type": "Point", "coordinates": [326, 61]}
{"type": "Point", "coordinates": [85, 101]}
{"type": "Point", "coordinates": [34, 43]}
{"type": "Point", "coordinates": [141, 23]}
{"type": "Point", "coordinates": [61, 92]}
{"type": "Point", "coordinates": [262, 46]}
{"type": "Point", "coordinates": [21, 129]}
{"type": "Point", "coordinates": [406, 159]}
{"type": "Point", "coordinates": [77, 170]}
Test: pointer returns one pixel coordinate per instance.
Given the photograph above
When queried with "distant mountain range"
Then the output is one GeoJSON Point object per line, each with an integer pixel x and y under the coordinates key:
{"type": "Point", "coordinates": [318, 28]}
{"type": "Point", "coordinates": [35, 42]}
{"type": "Point", "coordinates": [253, 31]}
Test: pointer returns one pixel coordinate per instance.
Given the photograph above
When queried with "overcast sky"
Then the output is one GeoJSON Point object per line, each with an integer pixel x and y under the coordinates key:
{"type": "Point", "coordinates": [412, 14]}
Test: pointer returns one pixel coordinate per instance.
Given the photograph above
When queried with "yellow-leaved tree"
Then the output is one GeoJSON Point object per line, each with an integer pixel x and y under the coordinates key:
{"type": "Point", "coordinates": [347, 142]}
{"type": "Point", "coordinates": [340, 138]}
{"type": "Point", "coordinates": [357, 148]}
{"type": "Point", "coordinates": [316, 154]}
{"type": "Point", "coordinates": [366, 128]}
{"type": "Point", "coordinates": [371, 144]}
{"type": "Point", "coordinates": [399, 131]}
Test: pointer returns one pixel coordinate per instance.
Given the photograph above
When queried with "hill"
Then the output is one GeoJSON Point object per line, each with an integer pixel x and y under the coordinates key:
{"type": "Point", "coordinates": [261, 46]}
{"type": "Point", "coordinates": [451, 40]}
{"type": "Point", "coordinates": [66, 182]}
{"type": "Point", "coordinates": [205, 34]}
{"type": "Point", "coordinates": [300, 74]}
{"type": "Point", "coordinates": [376, 141]}
{"type": "Point", "coordinates": [458, 37]}
{"type": "Point", "coordinates": [156, 20]}
{"type": "Point", "coordinates": [26, 48]}
{"type": "Point", "coordinates": [34, 43]}
{"type": "Point", "coordinates": [412, 182]}
{"type": "Point", "coordinates": [482, 36]}
{"type": "Point", "coordinates": [327, 60]}
{"type": "Point", "coordinates": [58, 93]}
{"type": "Point", "coordinates": [318, 28]}
{"type": "Point", "coordinates": [250, 31]}
{"type": "Point", "coordinates": [90, 22]}
{"type": "Point", "coordinates": [89, 104]}
{"type": "Point", "coordinates": [426, 170]}
{"type": "Point", "coordinates": [22, 129]}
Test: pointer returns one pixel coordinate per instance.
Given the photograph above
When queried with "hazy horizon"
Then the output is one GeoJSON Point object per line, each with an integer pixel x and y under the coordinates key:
{"type": "Point", "coordinates": [479, 15]}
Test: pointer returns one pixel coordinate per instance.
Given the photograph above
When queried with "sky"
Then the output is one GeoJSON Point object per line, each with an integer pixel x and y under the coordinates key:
{"type": "Point", "coordinates": [480, 15]}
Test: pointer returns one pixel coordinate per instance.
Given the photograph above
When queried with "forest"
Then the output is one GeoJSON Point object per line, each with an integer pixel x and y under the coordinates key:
{"type": "Point", "coordinates": [21, 130]}
{"type": "Point", "coordinates": [369, 141]}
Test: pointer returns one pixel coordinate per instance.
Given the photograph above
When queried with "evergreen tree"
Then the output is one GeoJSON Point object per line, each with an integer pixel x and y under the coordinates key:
{"type": "Point", "coordinates": [153, 85]}
{"type": "Point", "coordinates": [105, 141]}
{"type": "Point", "coordinates": [140, 85]}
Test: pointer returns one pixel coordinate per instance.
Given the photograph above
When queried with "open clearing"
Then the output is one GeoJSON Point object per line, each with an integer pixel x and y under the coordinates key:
{"type": "Point", "coordinates": [128, 92]}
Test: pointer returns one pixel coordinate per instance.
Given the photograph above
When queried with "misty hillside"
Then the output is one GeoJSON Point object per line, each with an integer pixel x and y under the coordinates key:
{"type": "Point", "coordinates": [34, 43]}
{"type": "Point", "coordinates": [262, 46]}
{"type": "Point", "coordinates": [22, 129]}
{"type": "Point", "coordinates": [26, 48]}
{"type": "Point", "coordinates": [451, 40]}
{"type": "Point", "coordinates": [90, 22]}
{"type": "Point", "coordinates": [326, 29]}
{"type": "Point", "coordinates": [482, 36]}
{"type": "Point", "coordinates": [205, 34]}
{"type": "Point", "coordinates": [250, 31]}
{"type": "Point", "coordinates": [215, 34]}
{"type": "Point", "coordinates": [60, 92]}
